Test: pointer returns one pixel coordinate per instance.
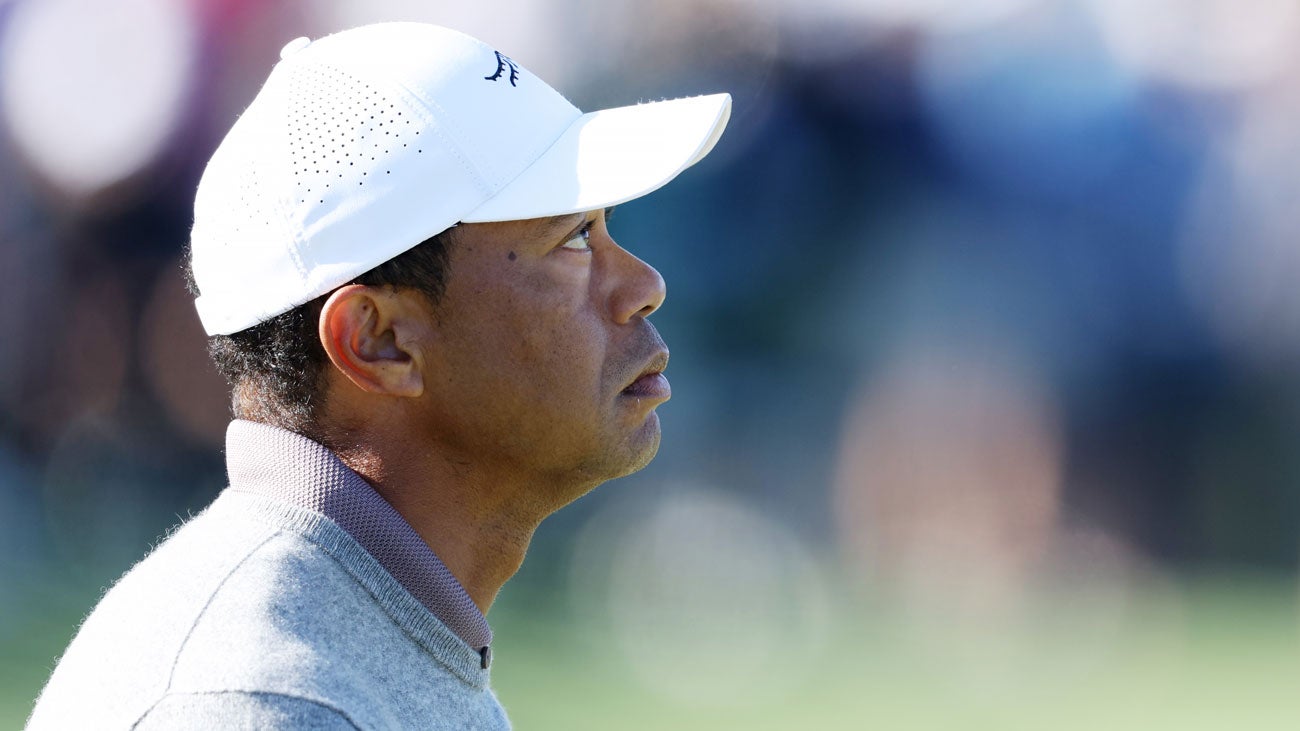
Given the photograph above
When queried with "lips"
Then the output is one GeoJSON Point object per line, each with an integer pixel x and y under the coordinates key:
{"type": "Point", "coordinates": [650, 386]}
{"type": "Point", "coordinates": [651, 383]}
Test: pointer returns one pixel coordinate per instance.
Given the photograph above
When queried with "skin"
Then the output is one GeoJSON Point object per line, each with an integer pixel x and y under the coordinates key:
{"type": "Point", "coordinates": [480, 416]}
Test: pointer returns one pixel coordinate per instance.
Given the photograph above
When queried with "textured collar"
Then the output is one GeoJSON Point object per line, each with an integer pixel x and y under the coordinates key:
{"type": "Point", "coordinates": [275, 463]}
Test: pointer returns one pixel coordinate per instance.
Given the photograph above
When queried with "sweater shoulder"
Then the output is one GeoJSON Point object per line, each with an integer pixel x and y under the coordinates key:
{"type": "Point", "coordinates": [234, 603]}
{"type": "Point", "coordinates": [124, 650]}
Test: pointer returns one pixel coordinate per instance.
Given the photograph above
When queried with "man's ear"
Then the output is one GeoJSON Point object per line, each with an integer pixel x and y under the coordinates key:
{"type": "Point", "coordinates": [369, 335]}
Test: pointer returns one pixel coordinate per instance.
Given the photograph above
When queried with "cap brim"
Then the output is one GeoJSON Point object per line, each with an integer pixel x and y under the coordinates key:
{"type": "Point", "coordinates": [611, 156]}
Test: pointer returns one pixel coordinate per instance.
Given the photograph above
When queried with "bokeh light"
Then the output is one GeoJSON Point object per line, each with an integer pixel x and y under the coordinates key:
{"type": "Point", "coordinates": [703, 596]}
{"type": "Point", "coordinates": [1240, 259]}
{"type": "Point", "coordinates": [930, 16]}
{"type": "Point", "coordinates": [950, 478]}
{"type": "Point", "coordinates": [92, 91]}
{"type": "Point", "coordinates": [1208, 44]}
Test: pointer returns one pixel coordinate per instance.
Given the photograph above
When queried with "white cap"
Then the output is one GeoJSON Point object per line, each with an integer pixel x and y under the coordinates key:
{"type": "Point", "coordinates": [365, 143]}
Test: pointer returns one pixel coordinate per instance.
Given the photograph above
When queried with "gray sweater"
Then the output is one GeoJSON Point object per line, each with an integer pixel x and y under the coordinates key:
{"type": "Point", "coordinates": [261, 614]}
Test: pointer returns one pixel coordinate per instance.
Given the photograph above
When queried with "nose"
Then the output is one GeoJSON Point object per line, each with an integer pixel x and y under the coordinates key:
{"type": "Point", "coordinates": [638, 288]}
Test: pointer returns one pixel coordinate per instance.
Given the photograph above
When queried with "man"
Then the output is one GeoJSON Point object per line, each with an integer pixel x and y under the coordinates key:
{"type": "Point", "coordinates": [400, 251]}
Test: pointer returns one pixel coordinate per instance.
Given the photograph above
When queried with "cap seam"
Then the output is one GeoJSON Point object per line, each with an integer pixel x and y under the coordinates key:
{"type": "Point", "coordinates": [295, 240]}
{"type": "Point", "coordinates": [450, 132]}
{"type": "Point", "coordinates": [292, 234]}
{"type": "Point", "coordinates": [493, 186]}
{"type": "Point", "coordinates": [536, 159]}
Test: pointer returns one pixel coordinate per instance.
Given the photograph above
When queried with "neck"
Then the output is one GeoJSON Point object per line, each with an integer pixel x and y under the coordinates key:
{"type": "Point", "coordinates": [477, 520]}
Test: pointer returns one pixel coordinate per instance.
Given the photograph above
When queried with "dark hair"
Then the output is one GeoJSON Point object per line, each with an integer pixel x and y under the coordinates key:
{"type": "Point", "coordinates": [275, 368]}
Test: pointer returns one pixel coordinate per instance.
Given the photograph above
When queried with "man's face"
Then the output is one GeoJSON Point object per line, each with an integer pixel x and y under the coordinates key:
{"type": "Point", "coordinates": [541, 359]}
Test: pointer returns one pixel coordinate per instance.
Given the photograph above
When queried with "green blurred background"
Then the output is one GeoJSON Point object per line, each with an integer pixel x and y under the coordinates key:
{"type": "Point", "coordinates": [985, 335]}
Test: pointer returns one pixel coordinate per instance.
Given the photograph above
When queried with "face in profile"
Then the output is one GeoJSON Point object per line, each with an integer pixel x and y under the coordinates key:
{"type": "Point", "coordinates": [541, 354]}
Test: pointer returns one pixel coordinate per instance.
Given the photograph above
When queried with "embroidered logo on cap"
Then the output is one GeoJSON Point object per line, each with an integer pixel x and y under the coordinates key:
{"type": "Point", "coordinates": [502, 62]}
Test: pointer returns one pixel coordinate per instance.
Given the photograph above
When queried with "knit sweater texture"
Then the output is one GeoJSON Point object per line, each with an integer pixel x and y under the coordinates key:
{"type": "Point", "coordinates": [260, 614]}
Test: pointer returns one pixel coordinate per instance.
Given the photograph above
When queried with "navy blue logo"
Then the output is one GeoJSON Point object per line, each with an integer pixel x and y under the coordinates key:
{"type": "Point", "coordinates": [502, 63]}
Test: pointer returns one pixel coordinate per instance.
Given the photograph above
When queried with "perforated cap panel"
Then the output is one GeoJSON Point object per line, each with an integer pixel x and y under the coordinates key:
{"type": "Point", "coordinates": [333, 148]}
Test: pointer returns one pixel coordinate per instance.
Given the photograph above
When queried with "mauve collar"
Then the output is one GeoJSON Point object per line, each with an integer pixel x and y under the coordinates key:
{"type": "Point", "coordinates": [279, 464]}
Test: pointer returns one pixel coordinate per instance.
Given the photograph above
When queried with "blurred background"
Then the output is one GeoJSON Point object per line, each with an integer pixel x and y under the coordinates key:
{"type": "Point", "coordinates": [986, 340]}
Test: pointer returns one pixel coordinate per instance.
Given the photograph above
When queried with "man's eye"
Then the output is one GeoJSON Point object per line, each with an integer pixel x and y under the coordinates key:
{"type": "Point", "coordinates": [580, 241]}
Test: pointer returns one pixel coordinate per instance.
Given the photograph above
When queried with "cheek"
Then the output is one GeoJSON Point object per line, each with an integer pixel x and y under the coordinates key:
{"type": "Point", "coordinates": [551, 330]}
{"type": "Point", "coordinates": [564, 352]}
{"type": "Point", "coordinates": [530, 334]}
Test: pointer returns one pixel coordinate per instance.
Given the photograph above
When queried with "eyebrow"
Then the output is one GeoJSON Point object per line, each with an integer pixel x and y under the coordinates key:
{"type": "Point", "coordinates": [547, 226]}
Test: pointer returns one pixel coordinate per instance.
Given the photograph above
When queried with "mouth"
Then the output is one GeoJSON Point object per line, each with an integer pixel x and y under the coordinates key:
{"type": "Point", "coordinates": [651, 383]}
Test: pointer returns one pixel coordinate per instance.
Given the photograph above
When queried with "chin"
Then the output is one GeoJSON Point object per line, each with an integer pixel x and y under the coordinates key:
{"type": "Point", "coordinates": [643, 446]}
{"type": "Point", "coordinates": [643, 458]}
{"type": "Point", "coordinates": [633, 454]}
